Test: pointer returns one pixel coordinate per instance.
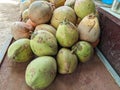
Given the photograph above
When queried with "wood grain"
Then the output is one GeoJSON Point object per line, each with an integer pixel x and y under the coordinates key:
{"type": "Point", "coordinates": [110, 38]}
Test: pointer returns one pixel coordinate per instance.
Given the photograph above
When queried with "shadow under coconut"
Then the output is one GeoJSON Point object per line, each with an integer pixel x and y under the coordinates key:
{"type": "Point", "coordinates": [66, 82]}
{"type": "Point", "coordinates": [81, 79]}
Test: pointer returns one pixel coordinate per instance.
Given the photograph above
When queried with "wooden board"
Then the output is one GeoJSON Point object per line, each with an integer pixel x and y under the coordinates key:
{"type": "Point", "coordinates": [4, 49]}
{"type": "Point", "coordinates": [110, 38]}
{"type": "Point", "coordinates": [89, 76]}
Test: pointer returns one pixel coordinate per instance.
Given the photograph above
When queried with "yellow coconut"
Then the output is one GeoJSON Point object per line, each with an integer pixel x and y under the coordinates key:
{"type": "Point", "coordinates": [58, 3]}
{"type": "Point", "coordinates": [25, 16]}
{"type": "Point", "coordinates": [89, 28]}
{"type": "Point", "coordinates": [61, 13]}
{"type": "Point", "coordinates": [40, 12]}
{"type": "Point", "coordinates": [70, 3]}
{"type": "Point", "coordinates": [24, 5]}
{"type": "Point", "coordinates": [46, 27]}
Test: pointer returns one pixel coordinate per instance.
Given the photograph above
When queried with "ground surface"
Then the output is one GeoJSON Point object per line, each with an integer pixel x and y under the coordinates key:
{"type": "Point", "coordinates": [9, 12]}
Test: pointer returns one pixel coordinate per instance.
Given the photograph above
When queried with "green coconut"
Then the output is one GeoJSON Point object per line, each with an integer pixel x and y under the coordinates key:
{"type": "Point", "coordinates": [31, 1]}
{"type": "Point", "coordinates": [25, 16]}
{"type": "Point", "coordinates": [70, 3]}
{"type": "Point", "coordinates": [57, 3]}
{"type": "Point", "coordinates": [61, 13]}
{"type": "Point", "coordinates": [84, 7]}
{"type": "Point", "coordinates": [20, 51]}
{"type": "Point", "coordinates": [43, 43]}
{"type": "Point", "coordinates": [83, 50]}
{"type": "Point", "coordinates": [41, 72]}
{"type": "Point", "coordinates": [78, 21]}
{"type": "Point", "coordinates": [24, 5]}
{"type": "Point", "coordinates": [46, 27]}
{"type": "Point", "coordinates": [67, 34]}
{"type": "Point", "coordinates": [67, 61]}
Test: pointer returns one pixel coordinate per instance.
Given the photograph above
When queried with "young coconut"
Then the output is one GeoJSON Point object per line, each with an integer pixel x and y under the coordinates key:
{"type": "Point", "coordinates": [67, 61]}
{"type": "Point", "coordinates": [25, 16]}
{"type": "Point", "coordinates": [89, 28]}
{"type": "Point", "coordinates": [78, 21]}
{"type": "Point", "coordinates": [70, 3]}
{"type": "Point", "coordinates": [61, 13]}
{"type": "Point", "coordinates": [67, 34]}
{"type": "Point", "coordinates": [58, 3]}
{"type": "Point", "coordinates": [46, 27]}
{"type": "Point", "coordinates": [20, 51]}
{"type": "Point", "coordinates": [31, 1]}
{"type": "Point", "coordinates": [41, 72]}
{"type": "Point", "coordinates": [84, 7]}
{"type": "Point", "coordinates": [21, 30]}
{"type": "Point", "coordinates": [24, 5]}
{"type": "Point", "coordinates": [43, 43]}
{"type": "Point", "coordinates": [31, 23]}
{"type": "Point", "coordinates": [83, 50]}
{"type": "Point", "coordinates": [40, 12]}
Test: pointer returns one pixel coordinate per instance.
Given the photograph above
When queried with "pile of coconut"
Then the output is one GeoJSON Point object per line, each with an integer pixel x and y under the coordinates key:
{"type": "Point", "coordinates": [54, 35]}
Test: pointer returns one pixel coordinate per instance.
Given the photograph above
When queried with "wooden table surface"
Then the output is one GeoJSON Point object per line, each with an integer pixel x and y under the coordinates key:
{"type": "Point", "coordinates": [89, 76]}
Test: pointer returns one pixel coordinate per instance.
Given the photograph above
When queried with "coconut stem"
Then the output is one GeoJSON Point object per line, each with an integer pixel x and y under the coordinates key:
{"type": "Point", "coordinates": [91, 16]}
{"type": "Point", "coordinates": [74, 49]}
{"type": "Point", "coordinates": [65, 21]}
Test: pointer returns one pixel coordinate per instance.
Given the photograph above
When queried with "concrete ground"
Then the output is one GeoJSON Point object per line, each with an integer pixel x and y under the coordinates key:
{"type": "Point", "coordinates": [9, 13]}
